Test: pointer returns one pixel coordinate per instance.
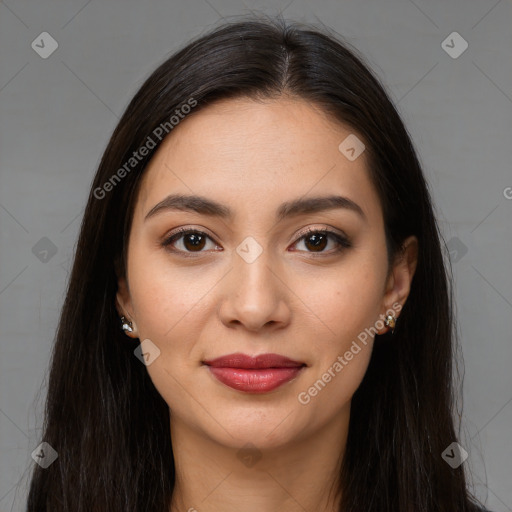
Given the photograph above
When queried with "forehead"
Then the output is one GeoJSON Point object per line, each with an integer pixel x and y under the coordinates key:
{"type": "Point", "coordinates": [246, 152]}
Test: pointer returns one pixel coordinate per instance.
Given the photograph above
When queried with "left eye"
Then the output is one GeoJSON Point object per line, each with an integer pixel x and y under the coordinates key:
{"type": "Point", "coordinates": [318, 240]}
{"type": "Point", "coordinates": [194, 240]}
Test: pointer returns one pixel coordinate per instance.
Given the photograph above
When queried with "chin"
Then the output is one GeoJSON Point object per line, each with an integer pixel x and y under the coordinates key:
{"type": "Point", "coordinates": [267, 427]}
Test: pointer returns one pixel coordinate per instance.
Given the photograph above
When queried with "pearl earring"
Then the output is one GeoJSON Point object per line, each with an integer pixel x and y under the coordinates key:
{"type": "Point", "coordinates": [126, 325]}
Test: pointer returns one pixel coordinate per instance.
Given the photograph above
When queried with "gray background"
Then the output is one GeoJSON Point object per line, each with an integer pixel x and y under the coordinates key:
{"type": "Point", "coordinates": [58, 113]}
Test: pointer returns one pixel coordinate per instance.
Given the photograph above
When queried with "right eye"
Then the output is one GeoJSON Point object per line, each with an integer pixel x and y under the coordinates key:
{"type": "Point", "coordinates": [193, 241]}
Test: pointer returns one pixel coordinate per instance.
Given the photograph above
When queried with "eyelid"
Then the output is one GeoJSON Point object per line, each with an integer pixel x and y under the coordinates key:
{"type": "Point", "coordinates": [323, 228]}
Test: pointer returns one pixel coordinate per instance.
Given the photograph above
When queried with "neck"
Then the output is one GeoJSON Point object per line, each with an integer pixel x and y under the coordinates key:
{"type": "Point", "coordinates": [301, 475]}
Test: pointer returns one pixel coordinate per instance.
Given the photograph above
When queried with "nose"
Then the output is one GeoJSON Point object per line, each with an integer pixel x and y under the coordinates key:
{"type": "Point", "coordinates": [256, 295]}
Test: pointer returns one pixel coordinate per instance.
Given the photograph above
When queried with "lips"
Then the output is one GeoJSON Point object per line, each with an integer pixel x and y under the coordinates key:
{"type": "Point", "coordinates": [259, 374]}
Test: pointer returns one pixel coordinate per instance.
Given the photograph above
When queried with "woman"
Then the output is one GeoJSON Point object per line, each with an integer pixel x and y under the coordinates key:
{"type": "Point", "coordinates": [259, 316]}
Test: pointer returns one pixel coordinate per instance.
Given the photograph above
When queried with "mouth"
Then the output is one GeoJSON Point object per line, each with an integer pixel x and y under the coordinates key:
{"type": "Point", "coordinates": [259, 374]}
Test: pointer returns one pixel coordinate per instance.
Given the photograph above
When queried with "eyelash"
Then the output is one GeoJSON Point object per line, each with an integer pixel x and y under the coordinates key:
{"type": "Point", "coordinates": [343, 242]}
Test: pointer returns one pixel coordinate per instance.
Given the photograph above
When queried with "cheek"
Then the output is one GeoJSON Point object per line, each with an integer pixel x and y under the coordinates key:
{"type": "Point", "coordinates": [170, 312]}
{"type": "Point", "coordinates": [342, 303]}
{"type": "Point", "coordinates": [169, 309]}
{"type": "Point", "coordinates": [343, 350]}
{"type": "Point", "coordinates": [346, 307]}
{"type": "Point", "coordinates": [165, 295]}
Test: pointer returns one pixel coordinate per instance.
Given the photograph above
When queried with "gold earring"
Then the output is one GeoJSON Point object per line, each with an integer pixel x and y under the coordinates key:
{"type": "Point", "coordinates": [391, 322]}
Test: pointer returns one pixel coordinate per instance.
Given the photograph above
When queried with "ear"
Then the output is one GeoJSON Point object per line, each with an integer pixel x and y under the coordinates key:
{"type": "Point", "coordinates": [124, 305]}
{"type": "Point", "coordinates": [398, 284]}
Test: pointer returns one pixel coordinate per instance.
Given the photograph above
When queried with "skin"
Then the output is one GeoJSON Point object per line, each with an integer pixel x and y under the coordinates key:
{"type": "Point", "coordinates": [309, 306]}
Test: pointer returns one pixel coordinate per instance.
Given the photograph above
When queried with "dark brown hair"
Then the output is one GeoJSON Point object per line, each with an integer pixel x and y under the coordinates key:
{"type": "Point", "coordinates": [103, 415]}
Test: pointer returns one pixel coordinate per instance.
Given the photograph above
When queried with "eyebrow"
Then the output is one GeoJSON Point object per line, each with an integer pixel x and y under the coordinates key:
{"type": "Point", "coordinates": [205, 206]}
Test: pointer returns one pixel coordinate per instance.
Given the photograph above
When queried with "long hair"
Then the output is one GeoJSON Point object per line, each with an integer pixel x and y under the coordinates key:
{"type": "Point", "coordinates": [103, 415]}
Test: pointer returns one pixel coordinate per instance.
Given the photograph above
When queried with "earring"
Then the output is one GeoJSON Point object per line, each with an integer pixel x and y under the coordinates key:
{"type": "Point", "coordinates": [391, 322]}
{"type": "Point", "coordinates": [126, 325]}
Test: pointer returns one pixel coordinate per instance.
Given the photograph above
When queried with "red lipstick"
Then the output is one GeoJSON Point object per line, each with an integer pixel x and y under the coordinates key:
{"type": "Point", "coordinates": [259, 374]}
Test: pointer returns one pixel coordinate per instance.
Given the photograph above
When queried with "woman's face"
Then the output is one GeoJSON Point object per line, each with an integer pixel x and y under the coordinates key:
{"type": "Point", "coordinates": [256, 282]}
